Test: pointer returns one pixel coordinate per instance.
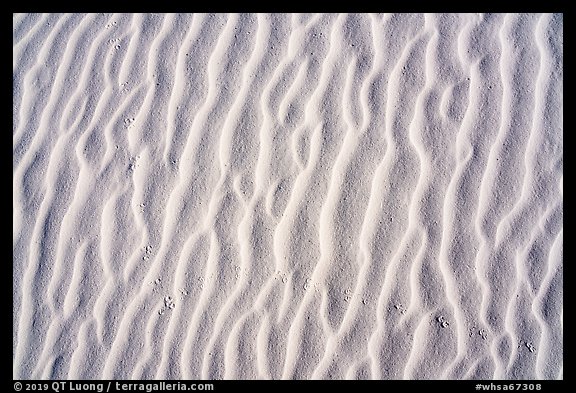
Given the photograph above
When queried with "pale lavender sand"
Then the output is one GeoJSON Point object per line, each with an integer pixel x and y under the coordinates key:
{"type": "Point", "coordinates": [288, 196]}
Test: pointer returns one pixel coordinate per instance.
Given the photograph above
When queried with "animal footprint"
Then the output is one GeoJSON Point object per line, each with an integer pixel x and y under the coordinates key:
{"type": "Point", "coordinates": [527, 344]}
{"type": "Point", "coordinates": [129, 122]}
{"type": "Point", "coordinates": [347, 295]}
{"type": "Point", "coordinates": [168, 302]}
{"type": "Point", "coordinates": [147, 252]}
{"type": "Point", "coordinates": [168, 305]}
{"type": "Point", "coordinates": [283, 276]}
{"type": "Point", "coordinates": [400, 308]}
{"type": "Point", "coordinates": [124, 87]}
{"type": "Point", "coordinates": [132, 163]}
{"type": "Point", "coordinates": [443, 322]}
{"type": "Point", "coordinates": [157, 284]}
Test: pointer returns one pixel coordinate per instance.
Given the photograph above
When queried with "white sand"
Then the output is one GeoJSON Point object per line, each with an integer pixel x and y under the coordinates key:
{"type": "Point", "coordinates": [288, 196]}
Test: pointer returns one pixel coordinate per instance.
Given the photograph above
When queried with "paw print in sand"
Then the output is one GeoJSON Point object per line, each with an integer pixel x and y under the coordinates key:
{"type": "Point", "coordinates": [168, 305]}
{"type": "Point", "coordinates": [147, 252]}
{"type": "Point", "coordinates": [347, 295]}
{"type": "Point", "coordinates": [527, 344]}
{"type": "Point", "coordinates": [443, 322]}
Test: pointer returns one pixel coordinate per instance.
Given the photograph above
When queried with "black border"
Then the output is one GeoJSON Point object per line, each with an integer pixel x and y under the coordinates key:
{"type": "Point", "coordinates": [407, 6]}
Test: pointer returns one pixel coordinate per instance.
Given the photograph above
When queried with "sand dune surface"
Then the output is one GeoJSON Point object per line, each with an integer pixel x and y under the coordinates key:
{"type": "Point", "coordinates": [287, 196]}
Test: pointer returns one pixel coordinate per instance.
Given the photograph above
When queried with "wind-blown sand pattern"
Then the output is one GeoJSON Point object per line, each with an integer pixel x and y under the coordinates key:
{"type": "Point", "coordinates": [288, 196]}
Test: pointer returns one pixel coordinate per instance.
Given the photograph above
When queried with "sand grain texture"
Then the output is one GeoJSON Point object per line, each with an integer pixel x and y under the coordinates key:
{"type": "Point", "coordinates": [287, 196]}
